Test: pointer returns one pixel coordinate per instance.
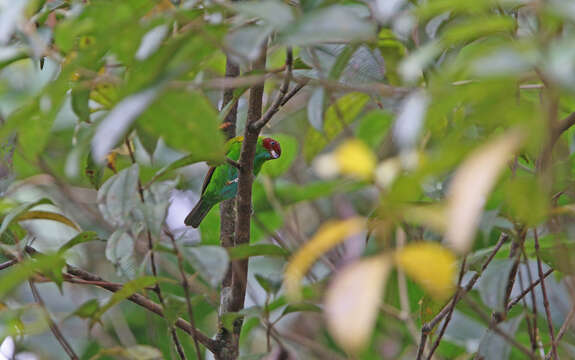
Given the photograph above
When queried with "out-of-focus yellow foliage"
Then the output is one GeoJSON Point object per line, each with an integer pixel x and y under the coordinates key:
{"type": "Point", "coordinates": [329, 235]}
{"type": "Point", "coordinates": [471, 186]}
{"type": "Point", "coordinates": [430, 265]}
{"type": "Point", "coordinates": [352, 301]}
{"type": "Point", "coordinates": [355, 159]}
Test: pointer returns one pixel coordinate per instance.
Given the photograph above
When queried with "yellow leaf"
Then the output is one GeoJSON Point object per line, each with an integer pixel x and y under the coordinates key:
{"type": "Point", "coordinates": [328, 236]}
{"type": "Point", "coordinates": [48, 215]}
{"type": "Point", "coordinates": [352, 301]}
{"type": "Point", "coordinates": [430, 265]}
{"type": "Point", "coordinates": [471, 186]}
{"type": "Point", "coordinates": [355, 159]}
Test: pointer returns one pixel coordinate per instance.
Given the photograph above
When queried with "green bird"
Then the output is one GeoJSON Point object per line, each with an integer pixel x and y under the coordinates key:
{"type": "Point", "coordinates": [221, 182]}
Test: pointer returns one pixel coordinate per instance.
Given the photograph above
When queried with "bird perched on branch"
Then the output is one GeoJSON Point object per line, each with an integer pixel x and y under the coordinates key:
{"type": "Point", "coordinates": [221, 182]}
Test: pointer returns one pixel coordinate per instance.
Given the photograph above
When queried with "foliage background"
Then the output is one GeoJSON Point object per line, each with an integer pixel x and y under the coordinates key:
{"type": "Point", "coordinates": [427, 164]}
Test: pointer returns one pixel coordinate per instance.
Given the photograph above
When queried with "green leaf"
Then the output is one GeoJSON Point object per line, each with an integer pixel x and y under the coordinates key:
{"type": "Point", "coordinates": [87, 310]}
{"type": "Point", "coordinates": [80, 98]}
{"type": "Point", "coordinates": [493, 285]}
{"type": "Point", "coordinates": [493, 346]}
{"type": "Point", "coordinates": [299, 307]}
{"type": "Point", "coordinates": [210, 261]}
{"type": "Point", "coordinates": [48, 215]}
{"type": "Point", "coordinates": [127, 290]}
{"type": "Point", "coordinates": [15, 213]}
{"type": "Point", "coordinates": [181, 162]}
{"type": "Point", "coordinates": [336, 23]}
{"type": "Point", "coordinates": [289, 146]}
{"type": "Point", "coordinates": [245, 250]}
{"type": "Point", "coordinates": [22, 271]}
{"type": "Point", "coordinates": [373, 127]}
{"type": "Point", "coordinates": [175, 307]}
{"type": "Point", "coordinates": [340, 114]}
{"type": "Point", "coordinates": [81, 238]}
{"type": "Point", "coordinates": [475, 28]}
{"type": "Point", "coordinates": [154, 209]}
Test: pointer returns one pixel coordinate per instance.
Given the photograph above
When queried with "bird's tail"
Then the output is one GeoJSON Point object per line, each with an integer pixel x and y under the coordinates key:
{"type": "Point", "coordinates": [198, 213]}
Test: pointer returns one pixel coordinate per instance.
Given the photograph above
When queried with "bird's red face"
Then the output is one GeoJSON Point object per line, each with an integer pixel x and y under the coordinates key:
{"type": "Point", "coordinates": [273, 147]}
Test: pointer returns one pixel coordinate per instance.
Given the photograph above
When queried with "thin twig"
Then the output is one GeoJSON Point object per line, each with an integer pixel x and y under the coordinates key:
{"type": "Point", "coordinates": [186, 287]}
{"type": "Point", "coordinates": [533, 300]}
{"type": "Point", "coordinates": [233, 163]}
{"type": "Point", "coordinates": [430, 325]}
{"type": "Point", "coordinates": [157, 289]}
{"type": "Point", "coordinates": [53, 327]}
{"type": "Point", "coordinates": [529, 289]}
{"type": "Point", "coordinates": [256, 126]}
{"type": "Point", "coordinates": [493, 326]}
{"type": "Point", "coordinates": [545, 298]}
{"type": "Point", "coordinates": [450, 313]}
{"type": "Point", "coordinates": [7, 264]}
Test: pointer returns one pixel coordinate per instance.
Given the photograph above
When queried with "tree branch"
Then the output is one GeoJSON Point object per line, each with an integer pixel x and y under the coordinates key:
{"type": "Point", "coordinates": [53, 327]}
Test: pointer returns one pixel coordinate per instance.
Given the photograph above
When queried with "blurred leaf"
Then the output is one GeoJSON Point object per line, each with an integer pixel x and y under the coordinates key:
{"type": "Point", "coordinates": [119, 196]}
{"type": "Point", "coordinates": [93, 171]}
{"type": "Point", "coordinates": [430, 265]}
{"type": "Point", "coordinates": [342, 113]}
{"type": "Point", "coordinates": [273, 13]}
{"type": "Point", "coordinates": [336, 23]}
{"type": "Point", "coordinates": [290, 147]}
{"type": "Point", "coordinates": [81, 238]}
{"type": "Point", "coordinates": [493, 284]}
{"type": "Point", "coordinates": [116, 124]}
{"type": "Point", "coordinates": [186, 121]}
{"type": "Point", "coordinates": [352, 301]}
{"type": "Point", "coordinates": [247, 41]}
{"type": "Point", "coordinates": [493, 346]}
{"type": "Point", "coordinates": [211, 262]}
{"type": "Point", "coordinates": [174, 308]}
{"type": "Point", "coordinates": [373, 127]}
{"type": "Point", "coordinates": [18, 211]}
{"type": "Point", "coordinates": [472, 184]}
{"type": "Point", "coordinates": [476, 27]}
{"type": "Point", "coordinates": [136, 352]}
{"type": "Point", "coordinates": [271, 286]}
{"type": "Point", "coordinates": [246, 250]}
{"type": "Point", "coordinates": [87, 310]}
{"type": "Point", "coordinates": [181, 162]}
{"type": "Point", "coordinates": [22, 271]}
{"type": "Point", "coordinates": [330, 234]}
{"type": "Point", "coordinates": [355, 159]}
{"type": "Point", "coordinates": [48, 215]}
{"type": "Point", "coordinates": [532, 209]}
{"type": "Point", "coordinates": [301, 307]}
{"type": "Point", "coordinates": [80, 98]}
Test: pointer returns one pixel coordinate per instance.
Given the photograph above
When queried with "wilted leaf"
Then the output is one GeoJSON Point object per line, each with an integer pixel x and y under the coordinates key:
{"type": "Point", "coordinates": [493, 283]}
{"type": "Point", "coordinates": [329, 235]}
{"type": "Point", "coordinates": [210, 261]}
{"type": "Point", "coordinates": [352, 301]}
{"type": "Point", "coordinates": [430, 265]}
{"type": "Point", "coordinates": [471, 186]}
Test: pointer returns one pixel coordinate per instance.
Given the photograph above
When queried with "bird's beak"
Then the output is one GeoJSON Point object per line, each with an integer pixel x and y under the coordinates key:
{"type": "Point", "coordinates": [274, 154]}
